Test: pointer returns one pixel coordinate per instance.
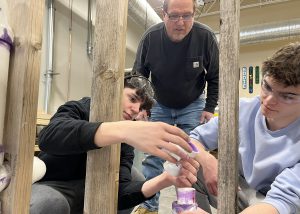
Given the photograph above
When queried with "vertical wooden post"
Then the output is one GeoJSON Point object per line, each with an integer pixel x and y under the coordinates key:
{"type": "Point", "coordinates": [107, 88]}
{"type": "Point", "coordinates": [229, 104]}
{"type": "Point", "coordinates": [25, 19]}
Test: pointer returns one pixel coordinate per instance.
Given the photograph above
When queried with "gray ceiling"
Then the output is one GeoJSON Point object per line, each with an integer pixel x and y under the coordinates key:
{"type": "Point", "coordinates": [212, 7]}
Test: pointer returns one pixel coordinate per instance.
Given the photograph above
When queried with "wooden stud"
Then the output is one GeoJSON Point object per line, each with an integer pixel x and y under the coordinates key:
{"type": "Point", "coordinates": [101, 187]}
{"type": "Point", "coordinates": [229, 105]}
{"type": "Point", "coordinates": [25, 19]}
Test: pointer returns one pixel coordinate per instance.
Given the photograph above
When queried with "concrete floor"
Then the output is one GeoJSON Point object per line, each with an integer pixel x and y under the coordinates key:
{"type": "Point", "coordinates": [168, 195]}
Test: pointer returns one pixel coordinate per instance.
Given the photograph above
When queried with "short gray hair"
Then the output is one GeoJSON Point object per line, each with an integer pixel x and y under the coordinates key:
{"type": "Point", "coordinates": [166, 2]}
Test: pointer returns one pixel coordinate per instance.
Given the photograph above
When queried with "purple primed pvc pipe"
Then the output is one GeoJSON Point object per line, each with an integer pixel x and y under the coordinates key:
{"type": "Point", "coordinates": [186, 200]}
{"type": "Point", "coordinates": [186, 195]}
{"type": "Point", "coordinates": [179, 208]}
{"type": "Point", "coordinates": [6, 40]}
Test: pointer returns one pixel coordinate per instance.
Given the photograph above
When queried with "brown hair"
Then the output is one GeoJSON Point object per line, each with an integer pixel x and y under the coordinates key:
{"type": "Point", "coordinates": [166, 2]}
{"type": "Point", "coordinates": [284, 65]}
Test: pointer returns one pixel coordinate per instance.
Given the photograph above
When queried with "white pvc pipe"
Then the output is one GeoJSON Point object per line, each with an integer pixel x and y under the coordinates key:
{"type": "Point", "coordinates": [6, 39]}
{"type": "Point", "coordinates": [6, 43]}
{"type": "Point", "coordinates": [49, 61]}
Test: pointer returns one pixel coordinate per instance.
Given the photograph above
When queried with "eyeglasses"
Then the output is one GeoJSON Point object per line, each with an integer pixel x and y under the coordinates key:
{"type": "Point", "coordinates": [141, 82]}
{"type": "Point", "coordinates": [176, 17]}
{"type": "Point", "coordinates": [283, 97]}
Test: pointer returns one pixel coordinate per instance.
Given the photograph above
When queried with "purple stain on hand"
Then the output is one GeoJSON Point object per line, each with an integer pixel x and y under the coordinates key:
{"type": "Point", "coordinates": [194, 148]}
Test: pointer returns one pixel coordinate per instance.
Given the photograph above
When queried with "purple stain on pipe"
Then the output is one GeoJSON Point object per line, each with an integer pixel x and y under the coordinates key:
{"type": "Point", "coordinates": [1, 148]}
{"type": "Point", "coordinates": [186, 200]}
{"type": "Point", "coordinates": [6, 40]}
{"type": "Point", "coordinates": [186, 195]}
{"type": "Point", "coordinates": [179, 208]}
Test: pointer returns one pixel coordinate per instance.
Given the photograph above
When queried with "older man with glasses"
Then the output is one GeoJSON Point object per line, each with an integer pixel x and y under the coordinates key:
{"type": "Point", "coordinates": [269, 136]}
{"type": "Point", "coordinates": [181, 56]}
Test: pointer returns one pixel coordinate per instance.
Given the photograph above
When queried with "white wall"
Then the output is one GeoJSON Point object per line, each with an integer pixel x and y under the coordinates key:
{"type": "Point", "coordinates": [80, 73]}
{"type": "Point", "coordinates": [254, 55]}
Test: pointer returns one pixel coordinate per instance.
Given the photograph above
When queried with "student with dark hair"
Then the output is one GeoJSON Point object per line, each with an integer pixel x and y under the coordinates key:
{"type": "Point", "coordinates": [65, 141]}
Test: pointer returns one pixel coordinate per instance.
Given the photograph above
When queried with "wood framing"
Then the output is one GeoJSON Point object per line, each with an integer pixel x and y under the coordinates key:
{"type": "Point", "coordinates": [101, 187]}
{"type": "Point", "coordinates": [25, 19]}
{"type": "Point", "coordinates": [229, 105]}
{"type": "Point", "coordinates": [42, 120]}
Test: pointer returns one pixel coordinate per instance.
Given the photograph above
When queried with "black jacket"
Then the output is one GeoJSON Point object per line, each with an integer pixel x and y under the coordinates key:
{"type": "Point", "coordinates": [65, 141]}
{"type": "Point", "coordinates": [180, 70]}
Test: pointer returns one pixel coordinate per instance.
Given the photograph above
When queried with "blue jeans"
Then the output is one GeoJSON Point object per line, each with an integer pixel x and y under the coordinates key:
{"type": "Point", "coordinates": [187, 119]}
{"type": "Point", "coordinates": [65, 197]}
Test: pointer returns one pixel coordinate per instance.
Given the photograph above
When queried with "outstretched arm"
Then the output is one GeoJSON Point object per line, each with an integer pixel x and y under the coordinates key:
{"type": "Point", "coordinates": [209, 165]}
{"type": "Point", "coordinates": [151, 137]}
{"type": "Point", "coordinates": [261, 208]}
{"type": "Point", "coordinates": [132, 193]}
{"type": "Point", "coordinates": [187, 176]}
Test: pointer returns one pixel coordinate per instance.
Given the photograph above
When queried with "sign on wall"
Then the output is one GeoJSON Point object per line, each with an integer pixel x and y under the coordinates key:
{"type": "Point", "coordinates": [244, 77]}
{"type": "Point", "coordinates": [250, 80]}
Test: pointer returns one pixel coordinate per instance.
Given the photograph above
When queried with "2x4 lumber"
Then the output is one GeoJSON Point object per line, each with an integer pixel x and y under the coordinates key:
{"type": "Point", "coordinates": [25, 19]}
{"type": "Point", "coordinates": [102, 176]}
{"type": "Point", "coordinates": [229, 105]}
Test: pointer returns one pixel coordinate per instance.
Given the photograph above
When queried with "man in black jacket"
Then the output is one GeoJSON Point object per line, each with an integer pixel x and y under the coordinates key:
{"type": "Point", "coordinates": [65, 141]}
{"type": "Point", "coordinates": [182, 58]}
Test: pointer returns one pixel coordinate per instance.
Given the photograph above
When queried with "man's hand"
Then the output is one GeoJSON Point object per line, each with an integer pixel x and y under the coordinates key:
{"type": "Point", "coordinates": [210, 174]}
{"type": "Point", "coordinates": [209, 166]}
{"type": "Point", "coordinates": [187, 174]}
{"type": "Point", "coordinates": [142, 116]}
{"type": "Point", "coordinates": [155, 138]}
{"type": "Point", "coordinates": [206, 116]}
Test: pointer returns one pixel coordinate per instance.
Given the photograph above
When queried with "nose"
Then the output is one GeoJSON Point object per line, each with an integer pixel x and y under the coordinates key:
{"type": "Point", "coordinates": [135, 108]}
{"type": "Point", "coordinates": [271, 99]}
{"type": "Point", "coordinates": [180, 21]}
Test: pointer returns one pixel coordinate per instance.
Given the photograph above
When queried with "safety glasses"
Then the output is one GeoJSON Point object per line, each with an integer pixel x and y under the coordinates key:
{"type": "Point", "coordinates": [283, 97]}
